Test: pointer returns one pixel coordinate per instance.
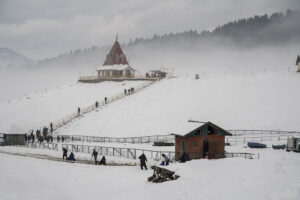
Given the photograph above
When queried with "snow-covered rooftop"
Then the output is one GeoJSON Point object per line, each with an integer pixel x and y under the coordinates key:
{"type": "Point", "coordinates": [114, 67]}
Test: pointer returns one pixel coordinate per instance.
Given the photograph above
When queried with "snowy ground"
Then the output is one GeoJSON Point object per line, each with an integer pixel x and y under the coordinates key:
{"type": "Point", "coordinates": [41, 108]}
{"type": "Point", "coordinates": [258, 101]}
{"type": "Point", "coordinates": [274, 176]}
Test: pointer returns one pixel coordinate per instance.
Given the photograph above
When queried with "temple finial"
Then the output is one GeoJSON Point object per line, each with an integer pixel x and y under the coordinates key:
{"type": "Point", "coordinates": [117, 37]}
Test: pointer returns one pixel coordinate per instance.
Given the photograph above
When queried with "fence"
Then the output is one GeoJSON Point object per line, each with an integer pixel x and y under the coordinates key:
{"type": "Point", "coordinates": [261, 132]}
{"type": "Point", "coordinates": [87, 109]}
{"type": "Point", "coordinates": [245, 139]}
{"type": "Point", "coordinates": [51, 146]}
{"type": "Point", "coordinates": [131, 140]}
{"type": "Point", "coordinates": [198, 155]}
{"type": "Point", "coordinates": [238, 136]}
{"type": "Point", "coordinates": [130, 153]}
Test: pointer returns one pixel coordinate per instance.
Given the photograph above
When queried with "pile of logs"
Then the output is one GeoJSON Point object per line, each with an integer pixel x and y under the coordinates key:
{"type": "Point", "coordinates": [161, 175]}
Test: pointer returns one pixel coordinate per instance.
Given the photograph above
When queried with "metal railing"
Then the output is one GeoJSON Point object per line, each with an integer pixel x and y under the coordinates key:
{"type": "Point", "coordinates": [130, 140]}
{"type": "Point", "coordinates": [239, 132]}
{"type": "Point", "coordinates": [50, 146]}
{"type": "Point", "coordinates": [130, 153]}
{"type": "Point", "coordinates": [199, 155]}
{"type": "Point", "coordinates": [245, 139]}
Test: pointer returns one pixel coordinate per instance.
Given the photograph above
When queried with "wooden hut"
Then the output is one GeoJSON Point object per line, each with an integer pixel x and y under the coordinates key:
{"type": "Point", "coordinates": [298, 63]}
{"type": "Point", "coordinates": [158, 74]}
{"type": "Point", "coordinates": [13, 139]}
{"type": "Point", "coordinates": [116, 64]}
{"type": "Point", "coordinates": [206, 141]}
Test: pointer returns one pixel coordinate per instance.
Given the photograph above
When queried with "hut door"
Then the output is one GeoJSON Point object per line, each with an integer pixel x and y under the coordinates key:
{"type": "Point", "coordinates": [184, 146]}
{"type": "Point", "coordinates": [205, 148]}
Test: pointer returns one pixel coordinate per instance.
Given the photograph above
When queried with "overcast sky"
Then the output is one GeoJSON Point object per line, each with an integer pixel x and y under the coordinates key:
{"type": "Point", "coordinates": [46, 28]}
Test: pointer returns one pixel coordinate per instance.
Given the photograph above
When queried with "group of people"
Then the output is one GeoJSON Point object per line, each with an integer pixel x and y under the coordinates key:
{"type": "Point", "coordinates": [65, 155]}
{"type": "Point", "coordinates": [40, 135]}
{"type": "Point", "coordinates": [143, 160]}
{"type": "Point", "coordinates": [97, 103]}
{"type": "Point", "coordinates": [129, 91]}
{"type": "Point", "coordinates": [58, 138]}
{"type": "Point", "coordinates": [71, 157]}
{"type": "Point", "coordinates": [95, 156]}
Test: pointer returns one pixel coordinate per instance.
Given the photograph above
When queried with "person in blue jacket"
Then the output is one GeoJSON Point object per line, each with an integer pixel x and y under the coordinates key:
{"type": "Point", "coordinates": [71, 157]}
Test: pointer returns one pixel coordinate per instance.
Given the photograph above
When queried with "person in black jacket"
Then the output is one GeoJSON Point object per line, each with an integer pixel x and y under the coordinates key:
{"type": "Point", "coordinates": [65, 153]}
{"type": "Point", "coordinates": [143, 161]}
{"type": "Point", "coordinates": [103, 161]}
{"type": "Point", "coordinates": [95, 154]}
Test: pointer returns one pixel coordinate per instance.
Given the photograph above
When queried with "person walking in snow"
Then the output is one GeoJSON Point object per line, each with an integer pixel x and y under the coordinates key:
{"type": "Point", "coordinates": [65, 153]}
{"type": "Point", "coordinates": [166, 160]}
{"type": "Point", "coordinates": [95, 154]}
{"type": "Point", "coordinates": [96, 104]}
{"type": "Point", "coordinates": [105, 100]}
{"type": "Point", "coordinates": [125, 91]}
{"type": "Point", "coordinates": [78, 111]}
{"type": "Point", "coordinates": [143, 161]}
{"type": "Point", "coordinates": [128, 91]}
{"type": "Point", "coordinates": [51, 127]}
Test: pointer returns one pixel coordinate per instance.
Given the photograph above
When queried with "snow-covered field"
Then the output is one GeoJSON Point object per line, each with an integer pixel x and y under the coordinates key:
{"type": "Point", "coordinates": [258, 101]}
{"type": "Point", "coordinates": [41, 108]}
{"type": "Point", "coordinates": [274, 176]}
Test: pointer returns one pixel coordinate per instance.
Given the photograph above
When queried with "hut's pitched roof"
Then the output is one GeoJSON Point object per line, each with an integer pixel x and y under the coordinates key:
{"type": "Point", "coordinates": [115, 56]}
{"type": "Point", "coordinates": [298, 60]}
{"type": "Point", "coordinates": [115, 67]}
{"type": "Point", "coordinates": [195, 125]}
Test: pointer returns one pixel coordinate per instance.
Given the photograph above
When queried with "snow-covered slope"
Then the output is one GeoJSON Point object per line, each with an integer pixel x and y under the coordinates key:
{"type": "Point", "coordinates": [261, 101]}
{"type": "Point", "coordinates": [39, 109]}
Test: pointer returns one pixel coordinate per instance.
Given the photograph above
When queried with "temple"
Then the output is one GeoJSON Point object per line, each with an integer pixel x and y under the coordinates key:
{"type": "Point", "coordinates": [116, 64]}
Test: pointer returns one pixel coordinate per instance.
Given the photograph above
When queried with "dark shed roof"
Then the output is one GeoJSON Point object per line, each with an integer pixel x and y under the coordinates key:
{"type": "Point", "coordinates": [200, 131]}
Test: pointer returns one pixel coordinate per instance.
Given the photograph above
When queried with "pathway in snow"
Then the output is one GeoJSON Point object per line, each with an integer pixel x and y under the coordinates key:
{"type": "Point", "coordinates": [66, 120]}
{"type": "Point", "coordinates": [48, 157]}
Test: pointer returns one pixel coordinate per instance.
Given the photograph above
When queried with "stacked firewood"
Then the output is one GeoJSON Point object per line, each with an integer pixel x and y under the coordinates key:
{"type": "Point", "coordinates": [161, 175]}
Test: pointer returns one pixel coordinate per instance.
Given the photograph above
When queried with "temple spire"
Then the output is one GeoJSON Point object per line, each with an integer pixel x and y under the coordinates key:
{"type": "Point", "coordinates": [117, 38]}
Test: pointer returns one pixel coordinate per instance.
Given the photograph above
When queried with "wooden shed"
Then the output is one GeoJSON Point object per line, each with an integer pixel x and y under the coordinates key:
{"type": "Point", "coordinates": [158, 74]}
{"type": "Point", "coordinates": [13, 139]}
{"type": "Point", "coordinates": [298, 63]}
{"type": "Point", "coordinates": [206, 141]}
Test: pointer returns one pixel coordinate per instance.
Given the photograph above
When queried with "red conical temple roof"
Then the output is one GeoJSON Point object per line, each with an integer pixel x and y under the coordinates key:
{"type": "Point", "coordinates": [115, 56]}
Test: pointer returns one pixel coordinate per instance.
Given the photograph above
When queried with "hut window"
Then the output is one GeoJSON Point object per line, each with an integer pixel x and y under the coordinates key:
{"type": "Point", "coordinates": [194, 144]}
{"type": "Point", "coordinates": [210, 130]}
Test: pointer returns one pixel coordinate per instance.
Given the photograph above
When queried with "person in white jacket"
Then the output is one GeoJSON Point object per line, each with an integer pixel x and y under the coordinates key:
{"type": "Point", "coordinates": [166, 159]}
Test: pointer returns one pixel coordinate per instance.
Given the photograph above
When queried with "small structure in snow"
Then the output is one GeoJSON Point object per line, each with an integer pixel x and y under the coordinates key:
{"type": "Point", "coordinates": [293, 144]}
{"type": "Point", "coordinates": [206, 141]}
{"type": "Point", "coordinates": [298, 63]}
{"type": "Point", "coordinates": [13, 139]}
{"type": "Point", "coordinates": [158, 74]}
